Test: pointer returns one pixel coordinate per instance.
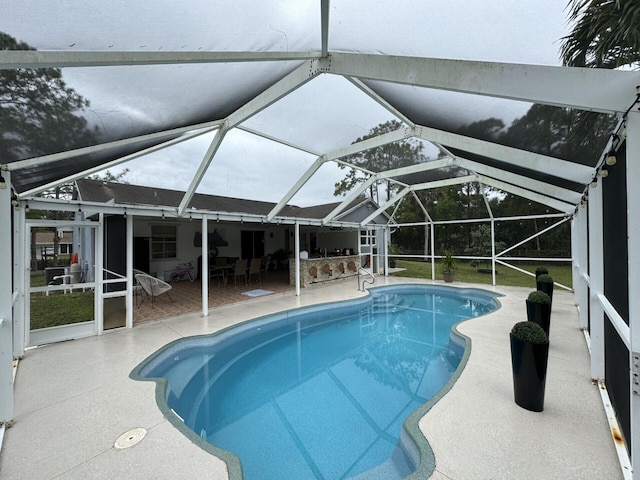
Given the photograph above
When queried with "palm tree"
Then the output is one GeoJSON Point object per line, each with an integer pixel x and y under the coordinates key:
{"type": "Point", "coordinates": [606, 34]}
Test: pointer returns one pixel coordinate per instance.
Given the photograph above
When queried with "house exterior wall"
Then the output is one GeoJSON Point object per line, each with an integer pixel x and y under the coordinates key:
{"type": "Point", "coordinates": [274, 239]}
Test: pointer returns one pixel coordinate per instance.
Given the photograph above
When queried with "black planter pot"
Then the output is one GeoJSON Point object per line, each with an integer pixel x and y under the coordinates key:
{"type": "Point", "coordinates": [539, 313]}
{"type": "Point", "coordinates": [546, 287]}
{"type": "Point", "coordinates": [529, 366]}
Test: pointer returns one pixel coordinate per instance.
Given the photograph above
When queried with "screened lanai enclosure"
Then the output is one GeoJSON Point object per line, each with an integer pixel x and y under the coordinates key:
{"type": "Point", "coordinates": [308, 103]}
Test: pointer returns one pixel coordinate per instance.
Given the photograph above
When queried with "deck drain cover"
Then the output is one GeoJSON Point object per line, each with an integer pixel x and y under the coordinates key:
{"type": "Point", "coordinates": [130, 438]}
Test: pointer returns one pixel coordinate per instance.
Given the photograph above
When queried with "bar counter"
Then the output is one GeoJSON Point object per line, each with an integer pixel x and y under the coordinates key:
{"type": "Point", "coordinates": [324, 269]}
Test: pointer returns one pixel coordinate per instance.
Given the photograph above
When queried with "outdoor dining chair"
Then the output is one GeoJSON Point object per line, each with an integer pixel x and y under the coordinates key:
{"type": "Point", "coordinates": [154, 287]}
{"type": "Point", "coordinates": [254, 270]}
{"type": "Point", "coordinates": [240, 271]}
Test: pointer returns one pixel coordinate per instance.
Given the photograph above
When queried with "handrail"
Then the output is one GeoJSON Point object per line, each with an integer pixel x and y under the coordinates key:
{"type": "Point", "coordinates": [366, 280]}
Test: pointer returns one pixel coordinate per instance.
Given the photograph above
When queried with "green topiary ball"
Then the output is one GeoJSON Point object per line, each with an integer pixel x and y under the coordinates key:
{"type": "Point", "coordinates": [544, 278]}
{"type": "Point", "coordinates": [541, 270]}
{"type": "Point", "coordinates": [538, 296]}
{"type": "Point", "coordinates": [529, 332]}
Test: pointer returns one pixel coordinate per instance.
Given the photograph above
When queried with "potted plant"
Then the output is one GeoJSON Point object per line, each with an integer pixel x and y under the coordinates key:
{"type": "Point", "coordinates": [529, 356]}
{"type": "Point", "coordinates": [545, 283]}
{"type": "Point", "coordinates": [541, 271]}
{"type": "Point", "coordinates": [449, 265]}
{"type": "Point", "coordinates": [539, 309]}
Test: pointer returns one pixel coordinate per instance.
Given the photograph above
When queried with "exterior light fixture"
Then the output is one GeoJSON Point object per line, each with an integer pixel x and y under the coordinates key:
{"type": "Point", "coordinates": [3, 184]}
{"type": "Point", "coordinates": [594, 183]}
{"type": "Point", "coordinates": [26, 208]}
{"type": "Point", "coordinates": [14, 202]}
{"type": "Point", "coordinates": [125, 213]}
{"type": "Point", "coordinates": [611, 158]}
{"type": "Point", "coordinates": [163, 214]}
{"type": "Point", "coordinates": [604, 173]}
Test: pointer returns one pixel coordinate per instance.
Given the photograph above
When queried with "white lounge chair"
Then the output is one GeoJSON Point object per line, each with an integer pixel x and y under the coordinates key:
{"type": "Point", "coordinates": [153, 287]}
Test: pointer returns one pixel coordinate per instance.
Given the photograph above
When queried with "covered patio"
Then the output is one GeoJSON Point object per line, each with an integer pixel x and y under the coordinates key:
{"type": "Point", "coordinates": [186, 296]}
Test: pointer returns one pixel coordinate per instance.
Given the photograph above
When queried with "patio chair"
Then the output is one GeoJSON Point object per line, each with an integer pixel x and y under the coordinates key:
{"type": "Point", "coordinates": [218, 273]}
{"type": "Point", "coordinates": [264, 266]}
{"type": "Point", "coordinates": [138, 292]}
{"type": "Point", "coordinates": [240, 271]}
{"type": "Point", "coordinates": [153, 287]}
{"type": "Point", "coordinates": [254, 270]}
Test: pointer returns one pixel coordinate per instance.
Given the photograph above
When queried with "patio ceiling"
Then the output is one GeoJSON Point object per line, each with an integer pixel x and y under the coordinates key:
{"type": "Point", "coordinates": [310, 94]}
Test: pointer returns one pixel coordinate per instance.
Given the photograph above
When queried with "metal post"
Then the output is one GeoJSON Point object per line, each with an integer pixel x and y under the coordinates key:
{"type": "Point", "coordinates": [99, 273]}
{"type": "Point", "coordinates": [596, 274]}
{"type": "Point", "coordinates": [432, 231]}
{"type": "Point", "coordinates": [6, 309]}
{"type": "Point", "coordinates": [297, 258]}
{"type": "Point", "coordinates": [493, 252]}
{"type": "Point", "coordinates": [579, 253]}
{"type": "Point", "coordinates": [204, 268]}
{"type": "Point", "coordinates": [633, 239]}
{"type": "Point", "coordinates": [129, 300]}
{"type": "Point", "coordinates": [19, 269]}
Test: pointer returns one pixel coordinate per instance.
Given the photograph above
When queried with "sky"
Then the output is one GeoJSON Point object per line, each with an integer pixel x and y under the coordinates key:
{"type": "Point", "coordinates": [323, 115]}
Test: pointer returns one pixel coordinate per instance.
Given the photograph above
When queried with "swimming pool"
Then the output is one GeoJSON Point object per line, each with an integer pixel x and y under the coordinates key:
{"type": "Point", "coordinates": [319, 392]}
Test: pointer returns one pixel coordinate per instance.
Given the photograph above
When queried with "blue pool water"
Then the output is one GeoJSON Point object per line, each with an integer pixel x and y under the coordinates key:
{"type": "Point", "coordinates": [320, 392]}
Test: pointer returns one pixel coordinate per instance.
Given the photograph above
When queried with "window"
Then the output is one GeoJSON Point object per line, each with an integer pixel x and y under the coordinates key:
{"type": "Point", "coordinates": [164, 241]}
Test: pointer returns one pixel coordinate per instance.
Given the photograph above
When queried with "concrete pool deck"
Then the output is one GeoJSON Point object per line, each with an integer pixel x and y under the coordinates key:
{"type": "Point", "coordinates": [74, 399]}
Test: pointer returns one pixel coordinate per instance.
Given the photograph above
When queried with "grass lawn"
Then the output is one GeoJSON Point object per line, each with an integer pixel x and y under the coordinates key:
{"type": "Point", "coordinates": [58, 308]}
{"type": "Point", "coordinates": [561, 273]}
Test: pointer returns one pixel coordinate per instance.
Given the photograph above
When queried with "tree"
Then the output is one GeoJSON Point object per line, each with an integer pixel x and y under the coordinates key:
{"type": "Point", "coordinates": [38, 116]}
{"type": "Point", "coordinates": [605, 34]}
{"type": "Point", "coordinates": [379, 159]}
{"type": "Point", "coordinates": [38, 112]}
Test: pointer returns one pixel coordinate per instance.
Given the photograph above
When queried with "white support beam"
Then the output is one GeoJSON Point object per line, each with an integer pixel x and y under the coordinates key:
{"type": "Point", "coordinates": [422, 207]}
{"type": "Point", "coordinates": [596, 275]}
{"type": "Point", "coordinates": [20, 269]}
{"type": "Point", "coordinates": [6, 304]}
{"type": "Point", "coordinates": [288, 84]}
{"type": "Point", "coordinates": [296, 251]}
{"type": "Point", "coordinates": [418, 167]}
{"type": "Point", "coordinates": [350, 198]}
{"type": "Point", "coordinates": [531, 237]}
{"type": "Point", "coordinates": [202, 169]}
{"type": "Point", "coordinates": [278, 140]}
{"type": "Point", "coordinates": [204, 267]}
{"type": "Point", "coordinates": [569, 196]}
{"type": "Point", "coordinates": [600, 90]}
{"type": "Point", "coordinates": [447, 182]}
{"type": "Point", "coordinates": [381, 101]}
{"type": "Point", "coordinates": [579, 252]}
{"type": "Point", "coordinates": [129, 269]}
{"type": "Point", "coordinates": [296, 188]}
{"type": "Point", "coordinates": [98, 309]}
{"type": "Point", "coordinates": [397, 197]}
{"type": "Point", "coordinates": [105, 166]}
{"type": "Point", "coordinates": [12, 59]}
{"type": "Point", "coordinates": [633, 240]}
{"type": "Point", "coordinates": [383, 139]}
{"type": "Point", "coordinates": [291, 82]}
{"type": "Point", "coordinates": [325, 10]}
{"type": "Point", "coordinates": [536, 197]}
{"type": "Point", "coordinates": [188, 132]}
{"type": "Point", "coordinates": [509, 155]}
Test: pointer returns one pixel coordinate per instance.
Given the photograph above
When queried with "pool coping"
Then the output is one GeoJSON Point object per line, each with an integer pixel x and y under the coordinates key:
{"type": "Point", "coordinates": [412, 439]}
